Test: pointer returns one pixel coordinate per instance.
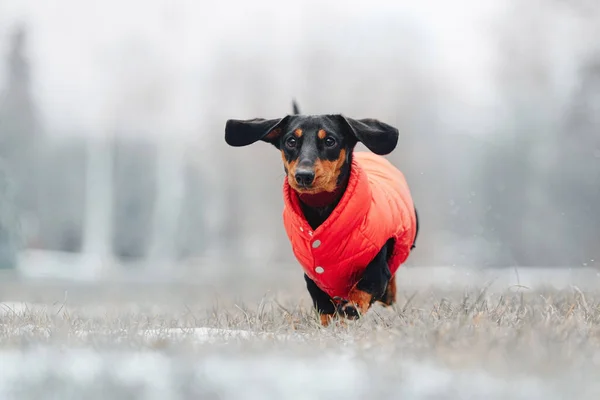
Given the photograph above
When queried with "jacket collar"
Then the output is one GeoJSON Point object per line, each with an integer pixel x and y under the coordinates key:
{"type": "Point", "coordinates": [349, 212]}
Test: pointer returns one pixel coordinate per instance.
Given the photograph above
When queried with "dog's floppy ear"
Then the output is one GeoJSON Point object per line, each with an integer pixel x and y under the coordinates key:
{"type": "Point", "coordinates": [240, 132]}
{"type": "Point", "coordinates": [378, 136]}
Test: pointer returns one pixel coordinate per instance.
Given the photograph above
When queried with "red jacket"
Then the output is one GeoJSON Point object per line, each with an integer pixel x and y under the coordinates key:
{"type": "Point", "coordinates": [375, 207]}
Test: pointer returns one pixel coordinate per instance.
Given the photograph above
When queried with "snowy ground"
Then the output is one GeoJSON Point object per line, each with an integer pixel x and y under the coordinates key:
{"type": "Point", "coordinates": [190, 341]}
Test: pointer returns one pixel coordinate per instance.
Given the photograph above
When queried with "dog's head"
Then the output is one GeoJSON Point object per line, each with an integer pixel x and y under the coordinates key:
{"type": "Point", "coordinates": [316, 149]}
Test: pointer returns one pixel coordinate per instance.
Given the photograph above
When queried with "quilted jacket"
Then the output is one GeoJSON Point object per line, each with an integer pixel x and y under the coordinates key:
{"type": "Point", "coordinates": [376, 206]}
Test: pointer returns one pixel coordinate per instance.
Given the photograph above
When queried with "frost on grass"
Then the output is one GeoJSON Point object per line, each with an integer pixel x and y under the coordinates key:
{"type": "Point", "coordinates": [447, 345]}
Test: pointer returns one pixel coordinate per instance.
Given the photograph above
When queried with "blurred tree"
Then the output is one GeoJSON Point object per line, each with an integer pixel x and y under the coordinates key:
{"type": "Point", "coordinates": [17, 111]}
{"type": "Point", "coordinates": [505, 178]}
{"type": "Point", "coordinates": [191, 235]}
{"type": "Point", "coordinates": [510, 173]}
{"type": "Point", "coordinates": [19, 136]}
{"type": "Point", "coordinates": [214, 177]}
{"type": "Point", "coordinates": [9, 224]}
{"type": "Point", "coordinates": [579, 163]}
{"type": "Point", "coordinates": [63, 190]}
{"type": "Point", "coordinates": [134, 196]}
{"type": "Point", "coordinates": [542, 181]}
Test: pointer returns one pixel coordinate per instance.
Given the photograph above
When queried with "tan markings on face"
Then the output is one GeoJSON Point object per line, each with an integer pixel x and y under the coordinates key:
{"type": "Point", "coordinates": [290, 167]}
{"type": "Point", "coordinates": [326, 174]}
{"type": "Point", "coordinates": [321, 134]}
{"type": "Point", "coordinates": [274, 134]}
{"type": "Point", "coordinates": [298, 133]}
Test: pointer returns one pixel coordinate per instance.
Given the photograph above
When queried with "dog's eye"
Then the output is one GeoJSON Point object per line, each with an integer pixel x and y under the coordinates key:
{"type": "Point", "coordinates": [330, 142]}
{"type": "Point", "coordinates": [290, 142]}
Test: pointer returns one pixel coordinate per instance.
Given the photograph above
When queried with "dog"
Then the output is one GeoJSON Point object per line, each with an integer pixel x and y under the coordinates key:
{"type": "Point", "coordinates": [349, 215]}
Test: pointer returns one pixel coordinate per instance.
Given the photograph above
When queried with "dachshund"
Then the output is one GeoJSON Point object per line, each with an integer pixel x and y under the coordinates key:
{"type": "Point", "coordinates": [349, 215]}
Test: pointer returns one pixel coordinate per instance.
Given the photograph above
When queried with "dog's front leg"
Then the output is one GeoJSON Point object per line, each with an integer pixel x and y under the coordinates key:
{"type": "Point", "coordinates": [371, 287]}
{"type": "Point", "coordinates": [321, 301]}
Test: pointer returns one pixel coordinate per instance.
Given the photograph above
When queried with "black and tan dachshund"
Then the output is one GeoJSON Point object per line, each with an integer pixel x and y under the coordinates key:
{"type": "Point", "coordinates": [349, 215]}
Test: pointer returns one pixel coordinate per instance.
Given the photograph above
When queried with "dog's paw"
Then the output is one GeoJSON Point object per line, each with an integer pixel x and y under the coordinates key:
{"type": "Point", "coordinates": [326, 319]}
{"type": "Point", "coordinates": [357, 304]}
{"type": "Point", "coordinates": [389, 297]}
{"type": "Point", "coordinates": [348, 310]}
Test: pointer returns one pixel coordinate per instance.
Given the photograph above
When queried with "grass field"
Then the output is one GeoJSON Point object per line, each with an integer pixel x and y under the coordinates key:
{"type": "Point", "coordinates": [188, 342]}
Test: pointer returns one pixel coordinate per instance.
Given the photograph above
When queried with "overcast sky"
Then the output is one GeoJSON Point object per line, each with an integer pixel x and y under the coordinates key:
{"type": "Point", "coordinates": [96, 61]}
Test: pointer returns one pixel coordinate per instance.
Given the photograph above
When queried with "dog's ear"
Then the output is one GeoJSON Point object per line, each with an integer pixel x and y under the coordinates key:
{"type": "Point", "coordinates": [377, 136]}
{"type": "Point", "coordinates": [240, 132]}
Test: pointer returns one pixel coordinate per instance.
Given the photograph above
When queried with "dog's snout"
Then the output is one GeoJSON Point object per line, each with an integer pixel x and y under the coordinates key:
{"type": "Point", "coordinates": [304, 177]}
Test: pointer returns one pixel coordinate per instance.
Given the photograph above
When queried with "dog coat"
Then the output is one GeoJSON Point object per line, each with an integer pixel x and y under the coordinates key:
{"type": "Point", "coordinates": [376, 206]}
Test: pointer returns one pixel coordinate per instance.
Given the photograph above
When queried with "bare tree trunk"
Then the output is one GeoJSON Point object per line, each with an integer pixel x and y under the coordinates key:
{"type": "Point", "coordinates": [170, 190]}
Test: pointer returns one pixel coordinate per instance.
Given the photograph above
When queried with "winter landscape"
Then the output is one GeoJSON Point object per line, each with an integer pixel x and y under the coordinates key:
{"type": "Point", "coordinates": [143, 258]}
{"type": "Point", "coordinates": [184, 341]}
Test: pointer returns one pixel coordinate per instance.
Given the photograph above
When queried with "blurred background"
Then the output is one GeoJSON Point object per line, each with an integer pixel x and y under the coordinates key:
{"type": "Point", "coordinates": [112, 120]}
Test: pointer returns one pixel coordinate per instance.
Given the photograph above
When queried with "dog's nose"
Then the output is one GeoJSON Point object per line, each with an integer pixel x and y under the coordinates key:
{"type": "Point", "coordinates": [304, 177]}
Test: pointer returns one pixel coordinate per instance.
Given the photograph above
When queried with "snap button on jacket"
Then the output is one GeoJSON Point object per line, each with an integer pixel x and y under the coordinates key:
{"type": "Point", "coordinates": [376, 206]}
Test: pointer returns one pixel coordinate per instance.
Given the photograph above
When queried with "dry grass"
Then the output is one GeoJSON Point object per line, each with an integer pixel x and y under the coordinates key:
{"type": "Point", "coordinates": [551, 336]}
{"type": "Point", "coordinates": [567, 322]}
